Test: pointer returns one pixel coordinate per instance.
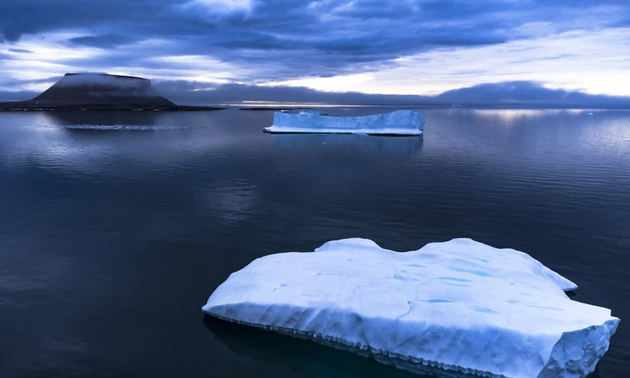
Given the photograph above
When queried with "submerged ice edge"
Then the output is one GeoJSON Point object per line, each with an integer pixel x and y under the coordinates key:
{"type": "Point", "coordinates": [407, 363]}
{"type": "Point", "coordinates": [586, 345]}
{"type": "Point", "coordinates": [296, 130]}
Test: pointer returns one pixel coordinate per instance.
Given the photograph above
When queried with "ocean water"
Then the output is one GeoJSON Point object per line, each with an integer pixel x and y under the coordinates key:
{"type": "Point", "coordinates": [116, 227]}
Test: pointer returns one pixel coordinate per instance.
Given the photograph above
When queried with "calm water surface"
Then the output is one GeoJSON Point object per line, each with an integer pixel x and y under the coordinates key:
{"type": "Point", "coordinates": [111, 241]}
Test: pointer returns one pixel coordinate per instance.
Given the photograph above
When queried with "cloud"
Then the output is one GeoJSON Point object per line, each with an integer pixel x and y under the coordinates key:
{"type": "Point", "coordinates": [222, 6]}
{"type": "Point", "coordinates": [511, 93]}
{"type": "Point", "coordinates": [103, 41]}
{"type": "Point", "coordinates": [18, 18]}
{"type": "Point", "coordinates": [275, 41]}
{"type": "Point", "coordinates": [595, 62]}
{"type": "Point", "coordinates": [19, 51]}
{"type": "Point", "coordinates": [517, 93]}
{"type": "Point", "coordinates": [19, 83]}
{"type": "Point", "coordinates": [184, 92]}
{"type": "Point", "coordinates": [526, 93]}
{"type": "Point", "coordinates": [7, 96]}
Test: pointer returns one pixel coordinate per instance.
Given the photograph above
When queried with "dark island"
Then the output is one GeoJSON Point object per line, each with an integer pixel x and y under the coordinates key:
{"type": "Point", "coordinates": [100, 91]}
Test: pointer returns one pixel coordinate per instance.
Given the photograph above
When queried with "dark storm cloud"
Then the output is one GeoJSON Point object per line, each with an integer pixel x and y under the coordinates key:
{"type": "Point", "coordinates": [285, 39]}
{"type": "Point", "coordinates": [518, 93]}
{"type": "Point", "coordinates": [103, 41]}
{"type": "Point", "coordinates": [19, 17]}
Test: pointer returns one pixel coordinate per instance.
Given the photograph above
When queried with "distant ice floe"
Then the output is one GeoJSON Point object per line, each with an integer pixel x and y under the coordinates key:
{"type": "Point", "coordinates": [399, 122]}
{"type": "Point", "coordinates": [125, 127]}
{"type": "Point", "coordinates": [460, 306]}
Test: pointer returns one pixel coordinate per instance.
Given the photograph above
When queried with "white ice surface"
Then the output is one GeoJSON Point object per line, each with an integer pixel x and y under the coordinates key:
{"type": "Point", "coordinates": [399, 122]}
{"type": "Point", "coordinates": [461, 306]}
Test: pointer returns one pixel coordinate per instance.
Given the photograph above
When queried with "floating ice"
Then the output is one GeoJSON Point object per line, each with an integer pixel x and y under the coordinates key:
{"type": "Point", "coordinates": [400, 122]}
{"type": "Point", "coordinates": [125, 127]}
{"type": "Point", "coordinates": [461, 306]}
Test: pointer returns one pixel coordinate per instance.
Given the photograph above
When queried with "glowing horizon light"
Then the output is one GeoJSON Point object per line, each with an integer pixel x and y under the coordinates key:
{"type": "Point", "coordinates": [552, 61]}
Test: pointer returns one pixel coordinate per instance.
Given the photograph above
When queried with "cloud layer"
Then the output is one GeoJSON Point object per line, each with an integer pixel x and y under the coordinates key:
{"type": "Point", "coordinates": [517, 93]}
{"type": "Point", "coordinates": [505, 94]}
{"type": "Point", "coordinates": [370, 46]}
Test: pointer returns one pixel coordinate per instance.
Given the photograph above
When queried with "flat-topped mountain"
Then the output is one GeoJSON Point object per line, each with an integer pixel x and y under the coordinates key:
{"type": "Point", "coordinates": [101, 91]}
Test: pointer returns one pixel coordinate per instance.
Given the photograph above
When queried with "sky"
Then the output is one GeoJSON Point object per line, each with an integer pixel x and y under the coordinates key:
{"type": "Point", "coordinates": [213, 50]}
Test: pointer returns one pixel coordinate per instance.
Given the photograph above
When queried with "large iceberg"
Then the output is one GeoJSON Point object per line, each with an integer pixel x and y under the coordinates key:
{"type": "Point", "coordinates": [399, 122]}
{"type": "Point", "coordinates": [459, 306]}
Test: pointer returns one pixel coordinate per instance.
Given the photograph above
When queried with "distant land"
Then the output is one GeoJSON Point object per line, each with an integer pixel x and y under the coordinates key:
{"type": "Point", "coordinates": [93, 91]}
{"type": "Point", "coordinates": [512, 94]}
{"type": "Point", "coordinates": [100, 91]}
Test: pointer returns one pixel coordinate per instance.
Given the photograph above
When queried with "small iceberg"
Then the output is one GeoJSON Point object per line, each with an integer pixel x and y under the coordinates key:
{"type": "Point", "coordinates": [589, 114]}
{"type": "Point", "coordinates": [461, 307]}
{"type": "Point", "coordinates": [399, 122]}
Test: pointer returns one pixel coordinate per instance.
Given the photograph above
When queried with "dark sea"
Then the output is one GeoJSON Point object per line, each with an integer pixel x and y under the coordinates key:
{"type": "Point", "coordinates": [116, 227]}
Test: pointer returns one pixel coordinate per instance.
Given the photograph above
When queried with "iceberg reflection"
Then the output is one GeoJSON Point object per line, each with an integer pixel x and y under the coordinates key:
{"type": "Point", "coordinates": [407, 145]}
{"type": "Point", "coordinates": [97, 118]}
